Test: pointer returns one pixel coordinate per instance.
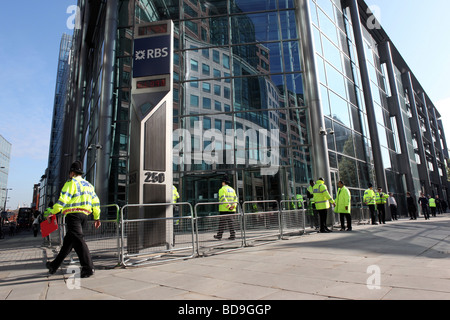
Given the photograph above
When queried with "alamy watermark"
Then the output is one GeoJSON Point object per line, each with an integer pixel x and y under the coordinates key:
{"type": "Point", "coordinates": [374, 280]}
{"type": "Point", "coordinates": [74, 280]}
{"type": "Point", "coordinates": [252, 147]}
{"type": "Point", "coordinates": [74, 19]}
{"type": "Point", "coordinates": [374, 19]}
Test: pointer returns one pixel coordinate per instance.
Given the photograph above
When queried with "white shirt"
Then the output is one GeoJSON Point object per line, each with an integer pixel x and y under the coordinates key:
{"type": "Point", "coordinates": [391, 200]}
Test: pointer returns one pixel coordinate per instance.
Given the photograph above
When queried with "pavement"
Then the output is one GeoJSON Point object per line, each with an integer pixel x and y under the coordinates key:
{"type": "Point", "coordinates": [401, 260]}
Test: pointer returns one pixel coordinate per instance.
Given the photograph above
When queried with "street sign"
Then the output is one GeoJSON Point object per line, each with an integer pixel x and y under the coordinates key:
{"type": "Point", "coordinates": [151, 176]}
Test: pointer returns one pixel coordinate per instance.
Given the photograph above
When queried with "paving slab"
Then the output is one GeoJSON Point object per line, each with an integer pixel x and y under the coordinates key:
{"type": "Point", "coordinates": [397, 261]}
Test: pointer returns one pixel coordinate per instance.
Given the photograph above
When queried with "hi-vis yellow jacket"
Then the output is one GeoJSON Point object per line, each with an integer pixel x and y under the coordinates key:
{"type": "Point", "coordinates": [175, 194]}
{"type": "Point", "coordinates": [381, 198]}
{"type": "Point", "coordinates": [227, 194]}
{"type": "Point", "coordinates": [370, 197]}
{"type": "Point", "coordinates": [78, 195]}
{"type": "Point", "coordinates": [322, 198]}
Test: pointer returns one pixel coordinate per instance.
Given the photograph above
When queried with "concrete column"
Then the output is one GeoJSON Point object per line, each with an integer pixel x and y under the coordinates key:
{"type": "Point", "coordinates": [319, 148]}
{"type": "Point", "coordinates": [368, 98]}
{"type": "Point", "coordinates": [423, 168]}
{"type": "Point", "coordinates": [436, 178]}
{"type": "Point", "coordinates": [386, 56]}
{"type": "Point", "coordinates": [106, 103]}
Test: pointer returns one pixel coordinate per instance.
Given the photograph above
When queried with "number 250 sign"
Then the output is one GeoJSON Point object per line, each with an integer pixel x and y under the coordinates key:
{"type": "Point", "coordinates": [154, 177]}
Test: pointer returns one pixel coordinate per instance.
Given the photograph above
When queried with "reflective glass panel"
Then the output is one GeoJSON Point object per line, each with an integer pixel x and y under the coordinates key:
{"type": "Point", "coordinates": [239, 6]}
{"type": "Point", "coordinates": [250, 28]}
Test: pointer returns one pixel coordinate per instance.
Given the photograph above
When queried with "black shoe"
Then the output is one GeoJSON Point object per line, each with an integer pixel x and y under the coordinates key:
{"type": "Point", "coordinates": [51, 270]}
{"type": "Point", "coordinates": [349, 229]}
{"type": "Point", "coordinates": [232, 238]}
{"type": "Point", "coordinates": [217, 237]}
{"type": "Point", "coordinates": [87, 273]}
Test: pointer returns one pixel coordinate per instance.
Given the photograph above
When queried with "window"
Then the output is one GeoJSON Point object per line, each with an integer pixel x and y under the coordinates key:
{"type": "Point", "coordinates": [206, 103]}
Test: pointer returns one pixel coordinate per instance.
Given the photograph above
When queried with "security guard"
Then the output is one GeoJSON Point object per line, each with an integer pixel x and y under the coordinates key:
{"type": "Point", "coordinates": [322, 201]}
{"type": "Point", "coordinates": [343, 206]}
{"type": "Point", "coordinates": [76, 202]}
{"type": "Point", "coordinates": [381, 199]}
{"type": "Point", "coordinates": [227, 196]}
{"type": "Point", "coordinates": [432, 205]}
{"type": "Point", "coordinates": [370, 200]}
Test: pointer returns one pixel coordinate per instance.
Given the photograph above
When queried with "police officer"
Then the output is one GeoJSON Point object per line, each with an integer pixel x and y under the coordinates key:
{"type": "Point", "coordinates": [370, 200]}
{"type": "Point", "coordinates": [381, 199]}
{"type": "Point", "coordinates": [343, 206]}
{"type": "Point", "coordinates": [228, 197]}
{"type": "Point", "coordinates": [76, 202]}
{"type": "Point", "coordinates": [322, 200]}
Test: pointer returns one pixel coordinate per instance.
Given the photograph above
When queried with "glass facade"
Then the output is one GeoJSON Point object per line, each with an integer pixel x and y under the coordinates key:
{"type": "Point", "coordinates": [54, 179]}
{"type": "Point", "coordinates": [240, 107]}
{"type": "Point", "coordinates": [5, 157]}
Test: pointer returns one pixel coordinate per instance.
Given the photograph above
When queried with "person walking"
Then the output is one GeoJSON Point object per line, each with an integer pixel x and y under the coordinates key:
{"type": "Point", "coordinates": [228, 197]}
{"type": "Point", "coordinates": [322, 200]}
{"type": "Point", "coordinates": [343, 206]}
{"type": "Point", "coordinates": [412, 209]}
{"type": "Point", "coordinates": [77, 201]}
{"type": "Point", "coordinates": [370, 200]}
{"type": "Point", "coordinates": [381, 198]}
{"type": "Point", "coordinates": [393, 205]}
{"type": "Point", "coordinates": [423, 201]}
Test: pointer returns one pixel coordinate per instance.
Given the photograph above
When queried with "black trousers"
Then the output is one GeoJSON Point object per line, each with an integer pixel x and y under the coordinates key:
{"type": "Point", "coordinates": [381, 213]}
{"type": "Point", "coordinates": [323, 219]}
{"type": "Point", "coordinates": [226, 220]}
{"type": "Point", "coordinates": [373, 213]}
{"type": "Point", "coordinates": [348, 217]}
{"type": "Point", "coordinates": [394, 211]}
{"type": "Point", "coordinates": [412, 213]}
{"type": "Point", "coordinates": [433, 211]}
{"type": "Point", "coordinates": [425, 212]}
{"type": "Point", "coordinates": [74, 239]}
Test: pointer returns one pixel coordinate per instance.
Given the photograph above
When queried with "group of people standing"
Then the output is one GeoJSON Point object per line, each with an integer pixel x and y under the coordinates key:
{"type": "Point", "coordinates": [321, 200]}
{"type": "Point", "coordinates": [428, 205]}
{"type": "Point", "coordinates": [376, 201]}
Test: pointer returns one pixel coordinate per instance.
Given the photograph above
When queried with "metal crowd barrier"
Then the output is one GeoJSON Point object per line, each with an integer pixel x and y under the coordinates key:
{"type": "Point", "coordinates": [141, 245]}
{"type": "Point", "coordinates": [262, 220]}
{"type": "Point", "coordinates": [135, 242]}
{"type": "Point", "coordinates": [293, 217]}
{"type": "Point", "coordinates": [207, 224]}
{"type": "Point", "coordinates": [103, 243]}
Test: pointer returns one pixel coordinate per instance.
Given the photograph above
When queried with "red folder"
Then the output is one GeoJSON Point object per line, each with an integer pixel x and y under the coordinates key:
{"type": "Point", "coordinates": [47, 228]}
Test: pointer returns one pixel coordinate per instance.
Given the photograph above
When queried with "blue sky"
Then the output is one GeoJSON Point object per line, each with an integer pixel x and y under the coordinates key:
{"type": "Point", "coordinates": [30, 34]}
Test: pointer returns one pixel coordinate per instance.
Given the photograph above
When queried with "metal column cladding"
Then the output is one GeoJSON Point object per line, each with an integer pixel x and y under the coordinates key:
{"type": "Point", "coordinates": [151, 176]}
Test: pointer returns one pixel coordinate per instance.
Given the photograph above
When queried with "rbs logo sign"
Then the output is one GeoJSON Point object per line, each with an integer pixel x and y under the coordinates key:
{"type": "Point", "coordinates": [152, 56]}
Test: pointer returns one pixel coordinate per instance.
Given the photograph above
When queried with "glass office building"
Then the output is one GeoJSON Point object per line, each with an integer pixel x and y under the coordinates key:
{"type": "Point", "coordinates": [53, 180]}
{"type": "Point", "coordinates": [317, 75]}
{"type": "Point", "coordinates": [5, 158]}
